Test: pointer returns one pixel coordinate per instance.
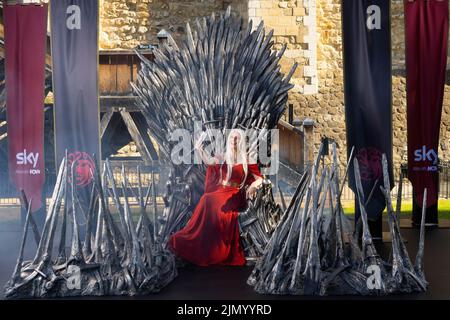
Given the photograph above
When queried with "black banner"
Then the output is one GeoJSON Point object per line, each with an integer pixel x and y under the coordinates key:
{"type": "Point", "coordinates": [74, 25]}
{"type": "Point", "coordinates": [367, 79]}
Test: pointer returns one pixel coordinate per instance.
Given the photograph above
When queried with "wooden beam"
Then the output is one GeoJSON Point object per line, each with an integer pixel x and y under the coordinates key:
{"type": "Point", "coordinates": [108, 134]}
{"type": "Point", "coordinates": [108, 102]}
{"type": "Point", "coordinates": [105, 121]}
{"type": "Point", "coordinates": [147, 53]}
{"type": "Point", "coordinates": [137, 137]}
{"type": "Point", "coordinates": [143, 129]}
{"type": "Point", "coordinates": [290, 127]}
{"type": "Point", "coordinates": [3, 131]}
{"type": "Point", "coordinates": [3, 127]}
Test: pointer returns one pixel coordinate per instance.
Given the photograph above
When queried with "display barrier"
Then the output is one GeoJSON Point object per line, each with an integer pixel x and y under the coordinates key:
{"type": "Point", "coordinates": [8, 193]}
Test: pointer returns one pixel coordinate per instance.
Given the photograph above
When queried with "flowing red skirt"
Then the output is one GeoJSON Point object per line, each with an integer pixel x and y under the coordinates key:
{"type": "Point", "coordinates": [211, 237]}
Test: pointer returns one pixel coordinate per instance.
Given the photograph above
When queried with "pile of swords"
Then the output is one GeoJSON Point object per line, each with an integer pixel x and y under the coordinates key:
{"type": "Point", "coordinates": [258, 222]}
{"type": "Point", "coordinates": [117, 256]}
{"type": "Point", "coordinates": [315, 251]}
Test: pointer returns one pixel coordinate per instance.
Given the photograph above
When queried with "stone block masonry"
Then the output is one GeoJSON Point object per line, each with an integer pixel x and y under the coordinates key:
{"type": "Point", "coordinates": [294, 25]}
{"type": "Point", "coordinates": [125, 24]}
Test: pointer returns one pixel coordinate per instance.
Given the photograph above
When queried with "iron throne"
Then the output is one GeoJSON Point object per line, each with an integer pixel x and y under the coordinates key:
{"type": "Point", "coordinates": [223, 76]}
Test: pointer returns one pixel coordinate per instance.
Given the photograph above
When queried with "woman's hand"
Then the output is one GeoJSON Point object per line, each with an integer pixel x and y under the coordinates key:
{"type": "Point", "coordinates": [253, 189]}
{"type": "Point", "coordinates": [199, 143]}
{"type": "Point", "coordinates": [251, 192]}
{"type": "Point", "coordinates": [198, 147]}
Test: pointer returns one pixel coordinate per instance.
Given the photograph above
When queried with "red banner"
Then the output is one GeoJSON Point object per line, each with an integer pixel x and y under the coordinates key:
{"type": "Point", "coordinates": [426, 23]}
{"type": "Point", "coordinates": [25, 28]}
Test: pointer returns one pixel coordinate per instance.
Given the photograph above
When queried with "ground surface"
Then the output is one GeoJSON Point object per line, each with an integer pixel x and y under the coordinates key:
{"type": "Point", "coordinates": [230, 282]}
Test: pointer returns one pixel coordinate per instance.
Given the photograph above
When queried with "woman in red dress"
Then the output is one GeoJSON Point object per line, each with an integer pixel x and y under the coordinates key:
{"type": "Point", "coordinates": [211, 237]}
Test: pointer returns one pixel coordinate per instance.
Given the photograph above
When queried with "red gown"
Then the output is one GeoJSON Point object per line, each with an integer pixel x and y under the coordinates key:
{"type": "Point", "coordinates": [211, 237]}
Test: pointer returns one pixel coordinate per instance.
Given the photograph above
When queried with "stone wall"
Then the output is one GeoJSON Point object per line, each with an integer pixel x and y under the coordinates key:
{"type": "Point", "coordinates": [125, 24]}
{"type": "Point", "coordinates": [327, 106]}
{"type": "Point", "coordinates": [294, 25]}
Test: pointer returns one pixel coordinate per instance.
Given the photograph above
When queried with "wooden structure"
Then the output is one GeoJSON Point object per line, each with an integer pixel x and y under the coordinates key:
{"type": "Point", "coordinates": [292, 140]}
{"type": "Point", "coordinates": [295, 150]}
{"type": "Point", "coordinates": [121, 122]}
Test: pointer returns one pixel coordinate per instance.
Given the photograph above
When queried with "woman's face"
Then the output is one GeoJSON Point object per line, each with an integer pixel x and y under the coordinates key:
{"type": "Point", "coordinates": [234, 139]}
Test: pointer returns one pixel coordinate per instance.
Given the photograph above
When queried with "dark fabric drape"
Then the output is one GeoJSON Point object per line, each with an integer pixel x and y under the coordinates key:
{"type": "Point", "coordinates": [74, 26]}
{"type": "Point", "coordinates": [367, 82]}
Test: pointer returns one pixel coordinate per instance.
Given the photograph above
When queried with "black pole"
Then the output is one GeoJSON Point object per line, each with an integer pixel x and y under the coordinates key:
{"type": "Point", "coordinates": [375, 226]}
{"type": "Point", "coordinates": [38, 216]}
{"type": "Point", "coordinates": [431, 213]}
{"type": "Point", "coordinates": [290, 113]}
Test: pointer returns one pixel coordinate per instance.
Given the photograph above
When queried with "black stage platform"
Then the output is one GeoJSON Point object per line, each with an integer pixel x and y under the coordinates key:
{"type": "Point", "coordinates": [230, 282]}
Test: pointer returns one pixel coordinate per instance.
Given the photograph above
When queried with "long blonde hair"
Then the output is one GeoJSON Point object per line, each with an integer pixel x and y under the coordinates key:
{"type": "Point", "coordinates": [240, 158]}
